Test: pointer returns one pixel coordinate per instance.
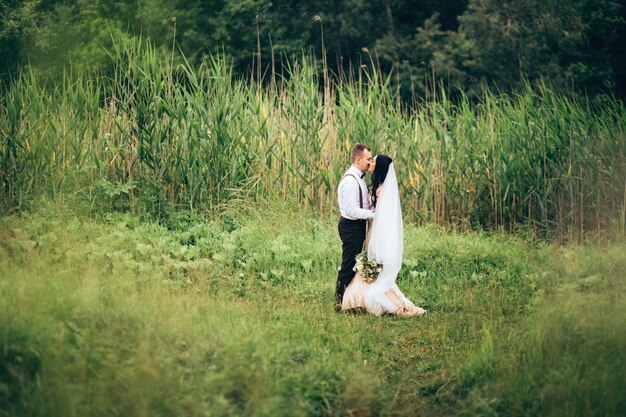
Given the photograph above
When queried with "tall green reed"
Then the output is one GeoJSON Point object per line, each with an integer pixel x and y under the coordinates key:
{"type": "Point", "coordinates": [160, 135]}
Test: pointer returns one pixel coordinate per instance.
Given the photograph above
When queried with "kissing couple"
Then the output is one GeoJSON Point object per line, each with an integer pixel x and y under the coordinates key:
{"type": "Point", "coordinates": [371, 220]}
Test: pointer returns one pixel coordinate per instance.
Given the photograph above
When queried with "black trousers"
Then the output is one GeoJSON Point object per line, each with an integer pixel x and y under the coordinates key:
{"type": "Point", "coordinates": [352, 234]}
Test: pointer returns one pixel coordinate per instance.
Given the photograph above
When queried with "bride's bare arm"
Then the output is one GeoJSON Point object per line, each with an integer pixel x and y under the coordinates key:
{"type": "Point", "coordinates": [369, 233]}
{"type": "Point", "coordinates": [370, 222]}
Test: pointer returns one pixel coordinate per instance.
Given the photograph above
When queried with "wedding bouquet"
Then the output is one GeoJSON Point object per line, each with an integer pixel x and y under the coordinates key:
{"type": "Point", "coordinates": [369, 269]}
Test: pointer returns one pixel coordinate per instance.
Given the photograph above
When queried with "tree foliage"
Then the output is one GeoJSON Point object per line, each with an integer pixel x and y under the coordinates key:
{"type": "Point", "coordinates": [573, 45]}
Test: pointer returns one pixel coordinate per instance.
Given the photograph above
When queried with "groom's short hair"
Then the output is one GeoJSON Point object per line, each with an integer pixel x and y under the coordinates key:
{"type": "Point", "coordinates": [357, 150]}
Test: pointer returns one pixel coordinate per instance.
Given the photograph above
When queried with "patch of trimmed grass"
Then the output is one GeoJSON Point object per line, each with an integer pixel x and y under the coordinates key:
{"type": "Point", "coordinates": [215, 317]}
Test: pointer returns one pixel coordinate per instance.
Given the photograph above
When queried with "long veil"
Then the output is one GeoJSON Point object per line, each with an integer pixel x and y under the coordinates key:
{"type": "Point", "coordinates": [386, 244]}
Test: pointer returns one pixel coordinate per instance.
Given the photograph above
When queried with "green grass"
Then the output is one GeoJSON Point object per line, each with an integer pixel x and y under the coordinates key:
{"type": "Point", "coordinates": [233, 316]}
{"type": "Point", "coordinates": [134, 281]}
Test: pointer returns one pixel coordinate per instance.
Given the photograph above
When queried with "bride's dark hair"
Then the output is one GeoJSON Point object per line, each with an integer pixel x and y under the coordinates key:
{"type": "Point", "coordinates": [380, 173]}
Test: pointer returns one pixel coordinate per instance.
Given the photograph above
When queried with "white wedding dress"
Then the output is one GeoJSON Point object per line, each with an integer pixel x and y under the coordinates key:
{"type": "Point", "coordinates": [386, 247]}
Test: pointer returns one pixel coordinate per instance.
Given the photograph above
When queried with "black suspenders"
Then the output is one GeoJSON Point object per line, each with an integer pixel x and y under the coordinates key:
{"type": "Point", "coordinates": [360, 189]}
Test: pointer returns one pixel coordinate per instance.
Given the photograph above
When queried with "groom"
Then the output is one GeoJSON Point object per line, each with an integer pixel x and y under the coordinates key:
{"type": "Point", "coordinates": [355, 208]}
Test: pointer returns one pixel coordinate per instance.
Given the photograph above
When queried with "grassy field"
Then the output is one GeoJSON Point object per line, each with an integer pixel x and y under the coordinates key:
{"type": "Point", "coordinates": [233, 315]}
{"type": "Point", "coordinates": [168, 246]}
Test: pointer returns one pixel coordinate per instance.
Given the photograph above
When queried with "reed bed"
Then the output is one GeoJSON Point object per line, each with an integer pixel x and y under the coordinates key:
{"type": "Point", "coordinates": [160, 136]}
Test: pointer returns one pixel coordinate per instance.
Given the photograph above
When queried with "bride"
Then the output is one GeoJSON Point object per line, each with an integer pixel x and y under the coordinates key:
{"type": "Point", "coordinates": [384, 244]}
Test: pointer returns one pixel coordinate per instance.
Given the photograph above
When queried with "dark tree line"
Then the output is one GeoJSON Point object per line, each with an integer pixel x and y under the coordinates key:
{"type": "Point", "coordinates": [574, 45]}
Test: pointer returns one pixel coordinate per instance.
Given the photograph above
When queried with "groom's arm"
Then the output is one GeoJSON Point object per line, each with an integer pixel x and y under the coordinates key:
{"type": "Point", "coordinates": [349, 193]}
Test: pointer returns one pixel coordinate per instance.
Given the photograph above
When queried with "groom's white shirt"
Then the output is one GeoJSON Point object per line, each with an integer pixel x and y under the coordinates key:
{"type": "Point", "coordinates": [348, 196]}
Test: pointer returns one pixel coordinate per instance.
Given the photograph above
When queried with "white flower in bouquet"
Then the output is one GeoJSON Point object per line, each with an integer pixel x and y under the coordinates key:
{"type": "Point", "coordinates": [369, 269]}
